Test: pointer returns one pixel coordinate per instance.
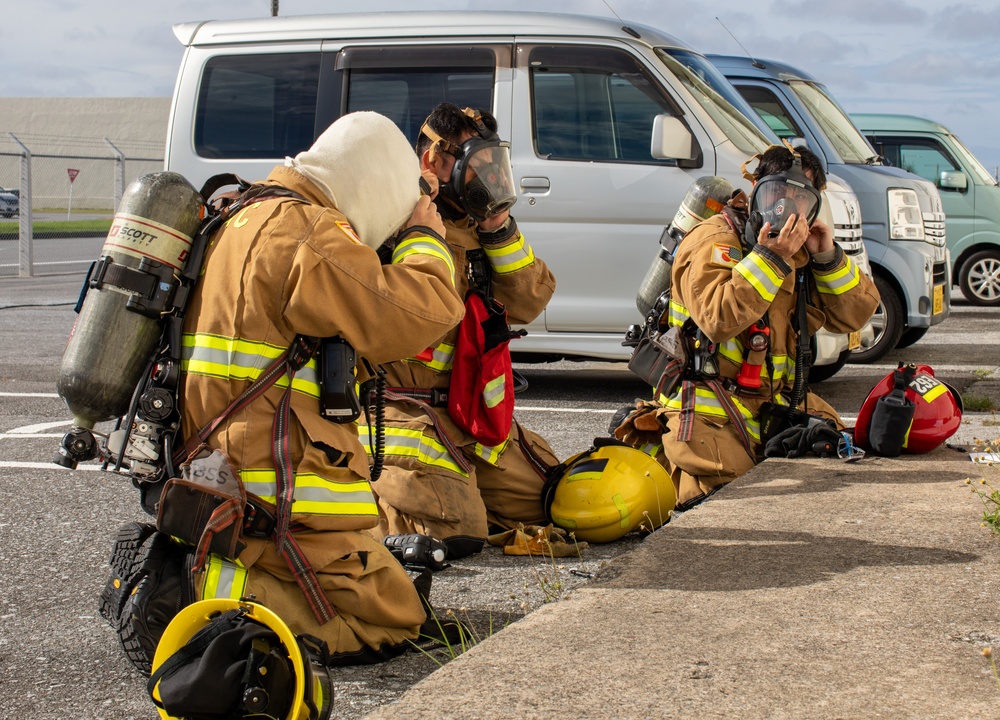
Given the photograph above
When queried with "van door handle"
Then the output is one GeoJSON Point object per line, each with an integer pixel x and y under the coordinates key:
{"type": "Point", "coordinates": [535, 185]}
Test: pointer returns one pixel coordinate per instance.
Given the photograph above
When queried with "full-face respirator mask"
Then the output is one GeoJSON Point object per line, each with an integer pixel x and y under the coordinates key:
{"type": "Point", "coordinates": [775, 198]}
{"type": "Point", "coordinates": [481, 181]}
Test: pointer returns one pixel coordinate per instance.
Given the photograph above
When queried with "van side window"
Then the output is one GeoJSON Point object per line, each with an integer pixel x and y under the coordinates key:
{"type": "Point", "coordinates": [593, 103]}
{"type": "Point", "coordinates": [257, 106]}
{"type": "Point", "coordinates": [406, 83]}
{"type": "Point", "coordinates": [770, 109]}
{"type": "Point", "coordinates": [924, 158]}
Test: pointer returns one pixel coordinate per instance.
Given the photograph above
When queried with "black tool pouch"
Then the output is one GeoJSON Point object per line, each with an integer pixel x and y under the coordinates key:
{"type": "Point", "coordinates": [660, 359]}
{"type": "Point", "coordinates": [205, 506]}
{"type": "Point", "coordinates": [890, 421]}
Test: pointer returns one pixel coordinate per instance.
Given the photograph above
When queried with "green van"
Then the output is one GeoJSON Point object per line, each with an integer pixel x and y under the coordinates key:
{"type": "Point", "coordinates": [969, 194]}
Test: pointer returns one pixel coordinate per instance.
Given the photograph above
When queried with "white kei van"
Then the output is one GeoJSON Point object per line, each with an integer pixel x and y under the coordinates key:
{"type": "Point", "coordinates": [609, 126]}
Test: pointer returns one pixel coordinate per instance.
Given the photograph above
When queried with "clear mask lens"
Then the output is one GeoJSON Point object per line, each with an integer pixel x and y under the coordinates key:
{"type": "Point", "coordinates": [777, 198]}
{"type": "Point", "coordinates": [483, 178]}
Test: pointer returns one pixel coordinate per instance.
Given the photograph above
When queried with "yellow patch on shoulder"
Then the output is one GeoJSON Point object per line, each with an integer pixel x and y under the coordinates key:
{"type": "Point", "coordinates": [348, 230]}
{"type": "Point", "coordinates": [725, 255]}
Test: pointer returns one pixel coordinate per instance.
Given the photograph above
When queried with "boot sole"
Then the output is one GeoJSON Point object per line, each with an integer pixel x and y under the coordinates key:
{"type": "Point", "coordinates": [124, 563]}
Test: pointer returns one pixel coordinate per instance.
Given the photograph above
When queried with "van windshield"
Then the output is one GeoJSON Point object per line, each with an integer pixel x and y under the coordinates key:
{"type": "Point", "coordinates": [717, 96]}
{"type": "Point", "coordinates": [981, 174]}
{"type": "Point", "coordinates": [846, 139]}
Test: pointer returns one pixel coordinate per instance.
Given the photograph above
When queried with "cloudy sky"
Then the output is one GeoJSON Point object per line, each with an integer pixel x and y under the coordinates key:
{"type": "Point", "coordinates": [940, 60]}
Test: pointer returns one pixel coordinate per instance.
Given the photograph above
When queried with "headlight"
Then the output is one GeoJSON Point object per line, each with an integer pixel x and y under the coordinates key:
{"type": "Point", "coordinates": [905, 219]}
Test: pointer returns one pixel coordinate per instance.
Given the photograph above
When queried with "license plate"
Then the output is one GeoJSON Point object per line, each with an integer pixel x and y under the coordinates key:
{"type": "Point", "coordinates": [854, 340]}
{"type": "Point", "coordinates": [938, 299]}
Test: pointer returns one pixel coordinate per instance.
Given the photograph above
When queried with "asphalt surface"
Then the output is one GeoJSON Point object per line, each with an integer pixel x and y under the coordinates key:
{"type": "Point", "coordinates": [805, 589]}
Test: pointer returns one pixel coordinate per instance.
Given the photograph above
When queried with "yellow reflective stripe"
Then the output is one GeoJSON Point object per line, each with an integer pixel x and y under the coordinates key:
{"type": "Point", "coordinates": [314, 495]}
{"type": "Point", "coordinates": [761, 276]}
{"type": "Point", "coordinates": [491, 454]}
{"type": "Point", "coordinates": [425, 245]}
{"type": "Point", "coordinates": [732, 350]}
{"type": "Point", "coordinates": [237, 359]}
{"type": "Point", "coordinates": [839, 281]}
{"type": "Point", "coordinates": [651, 449]}
{"type": "Point", "coordinates": [413, 445]}
{"type": "Point", "coordinates": [619, 502]}
{"type": "Point", "coordinates": [706, 403]}
{"type": "Point", "coordinates": [439, 359]}
{"type": "Point", "coordinates": [494, 391]}
{"type": "Point", "coordinates": [935, 392]}
{"type": "Point", "coordinates": [511, 258]}
{"type": "Point", "coordinates": [224, 579]}
{"type": "Point", "coordinates": [678, 314]}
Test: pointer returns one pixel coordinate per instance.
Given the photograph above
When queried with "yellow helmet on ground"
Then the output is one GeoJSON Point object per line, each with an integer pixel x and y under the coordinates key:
{"type": "Point", "coordinates": [609, 491]}
{"type": "Point", "coordinates": [232, 658]}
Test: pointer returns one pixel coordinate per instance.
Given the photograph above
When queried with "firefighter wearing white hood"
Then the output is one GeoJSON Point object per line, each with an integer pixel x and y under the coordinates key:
{"type": "Point", "coordinates": [306, 265]}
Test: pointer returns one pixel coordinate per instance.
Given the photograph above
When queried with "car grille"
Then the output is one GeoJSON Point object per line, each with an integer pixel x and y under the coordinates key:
{"type": "Point", "coordinates": [934, 228]}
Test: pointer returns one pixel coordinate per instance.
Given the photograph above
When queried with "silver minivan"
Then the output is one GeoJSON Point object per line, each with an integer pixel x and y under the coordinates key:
{"type": "Point", "coordinates": [609, 126]}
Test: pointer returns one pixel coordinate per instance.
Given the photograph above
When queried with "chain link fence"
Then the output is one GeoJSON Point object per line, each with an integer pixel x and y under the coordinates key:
{"type": "Point", "coordinates": [58, 196]}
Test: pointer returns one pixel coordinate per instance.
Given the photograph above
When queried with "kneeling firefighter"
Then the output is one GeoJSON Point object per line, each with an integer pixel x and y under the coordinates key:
{"type": "Point", "coordinates": [285, 269]}
{"type": "Point", "coordinates": [271, 489]}
{"type": "Point", "coordinates": [458, 466]}
{"type": "Point", "coordinates": [730, 339]}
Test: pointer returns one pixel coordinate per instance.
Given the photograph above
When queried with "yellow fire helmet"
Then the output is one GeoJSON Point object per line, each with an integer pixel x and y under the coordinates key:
{"type": "Point", "coordinates": [609, 491]}
{"type": "Point", "coordinates": [234, 658]}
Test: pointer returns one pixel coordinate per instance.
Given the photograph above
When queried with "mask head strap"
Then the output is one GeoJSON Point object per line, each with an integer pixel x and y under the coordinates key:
{"type": "Point", "coordinates": [439, 142]}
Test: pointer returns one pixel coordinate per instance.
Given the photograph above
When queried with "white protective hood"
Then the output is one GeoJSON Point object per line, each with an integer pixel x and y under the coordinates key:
{"type": "Point", "coordinates": [366, 167]}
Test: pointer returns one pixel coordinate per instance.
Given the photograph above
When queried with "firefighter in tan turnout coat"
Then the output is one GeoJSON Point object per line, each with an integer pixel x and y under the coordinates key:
{"type": "Point", "coordinates": [283, 267]}
{"type": "Point", "coordinates": [460, 494]}
{"type": "Point", "coordinates": [730, 290]}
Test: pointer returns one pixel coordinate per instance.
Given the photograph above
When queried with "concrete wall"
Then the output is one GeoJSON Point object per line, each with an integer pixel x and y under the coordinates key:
{"type": "Point", "coordinates": [74, 129]}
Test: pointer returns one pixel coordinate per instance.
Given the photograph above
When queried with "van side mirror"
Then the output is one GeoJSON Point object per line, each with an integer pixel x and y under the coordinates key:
{"type": "Point", "coordinates": [953, 180]}
{"type": "Point", "coordinates": [671, 139]}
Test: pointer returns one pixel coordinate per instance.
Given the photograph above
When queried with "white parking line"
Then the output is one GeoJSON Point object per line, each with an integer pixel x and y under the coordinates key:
{"type": "Point", "coordinates": [31, 429]}
{"type": "Point", "coordinates": [43, 466]}
{"type": "Point", "coordinates": [15, 394]}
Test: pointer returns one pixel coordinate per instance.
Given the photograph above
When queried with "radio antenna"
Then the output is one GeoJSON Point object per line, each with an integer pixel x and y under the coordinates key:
{"type": "Point", "coordinates": [625, 27]}
{"type": "Point", "coordinates": [753, 61]}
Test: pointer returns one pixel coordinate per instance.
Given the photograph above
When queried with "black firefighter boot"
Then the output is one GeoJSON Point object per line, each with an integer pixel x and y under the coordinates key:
{"type": "Point", "coordinates": [164, 587]}
{"type": "Point", "coordinates": [124, 570]}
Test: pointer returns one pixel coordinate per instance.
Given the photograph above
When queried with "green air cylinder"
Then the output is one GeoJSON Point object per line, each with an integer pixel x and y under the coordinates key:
{"type": "Point", "coordinates": [706, 197]}
{"type": "Point", "coordinates": [119, 322]}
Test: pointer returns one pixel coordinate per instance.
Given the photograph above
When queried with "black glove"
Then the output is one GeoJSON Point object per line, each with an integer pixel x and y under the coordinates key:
{"type": "Point", "coordinates": [820, 437]}
{"type": "Point", "coordinates": [502, 234]}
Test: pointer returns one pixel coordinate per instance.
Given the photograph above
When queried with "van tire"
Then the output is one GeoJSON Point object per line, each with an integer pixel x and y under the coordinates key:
{"type": "Point", "coordinates": [888, 324]}
{"type": "Point", "coordinates": [819, 373]}
{"type": "Point", "coordinates": [911, 336]}
{"type": "Point", "coordinates": [979, 278]}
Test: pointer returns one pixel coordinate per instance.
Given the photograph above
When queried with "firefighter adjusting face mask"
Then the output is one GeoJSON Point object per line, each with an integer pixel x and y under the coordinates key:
{"type": "Point", "coordinates": [482, 180]}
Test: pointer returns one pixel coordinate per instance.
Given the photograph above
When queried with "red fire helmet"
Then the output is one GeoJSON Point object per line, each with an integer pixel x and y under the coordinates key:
{"type": "Point", "coordinates": [937, 410]}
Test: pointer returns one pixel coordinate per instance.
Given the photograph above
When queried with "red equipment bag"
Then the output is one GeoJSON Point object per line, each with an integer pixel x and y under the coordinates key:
{"type": "Point", "coordinates": [481, 393]}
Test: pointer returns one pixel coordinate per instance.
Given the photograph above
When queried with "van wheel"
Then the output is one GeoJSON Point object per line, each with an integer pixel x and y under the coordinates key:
{"type": "Point", "coordinates": [911, 336]}
{"type": "Point", "coordinates": [819, 373]}
{"type": "Point", "coordinates": [887, 322]}
{"type": "Point", "coordinates": [979, 278]}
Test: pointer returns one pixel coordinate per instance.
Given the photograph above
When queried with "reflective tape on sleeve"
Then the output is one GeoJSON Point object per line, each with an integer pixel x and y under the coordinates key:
{"type": "Point", "coordinates": [424, 245]}
{"type": "Point", "coordinates": [761, 276]}
{"type": "Point", "coordinates": [510, 258]}
{"type": "Point", "coordinates": [839, 281]}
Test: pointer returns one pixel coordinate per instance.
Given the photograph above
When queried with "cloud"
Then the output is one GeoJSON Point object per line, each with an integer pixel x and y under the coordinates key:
{"type": "Point", "coordinates": [964, 22]}
{"type": "Point", "coordinates": [893, 12]}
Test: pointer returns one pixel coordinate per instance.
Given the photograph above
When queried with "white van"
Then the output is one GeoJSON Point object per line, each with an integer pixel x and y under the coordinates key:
{"type": "Point", "coordinates": [609, 126]}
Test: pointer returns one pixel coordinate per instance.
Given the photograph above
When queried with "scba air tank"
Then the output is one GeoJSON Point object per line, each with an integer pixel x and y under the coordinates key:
{"type": "Point", "coordinates": [706, 197]}
{"type": "Point", "coordinates": [128, 288]}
